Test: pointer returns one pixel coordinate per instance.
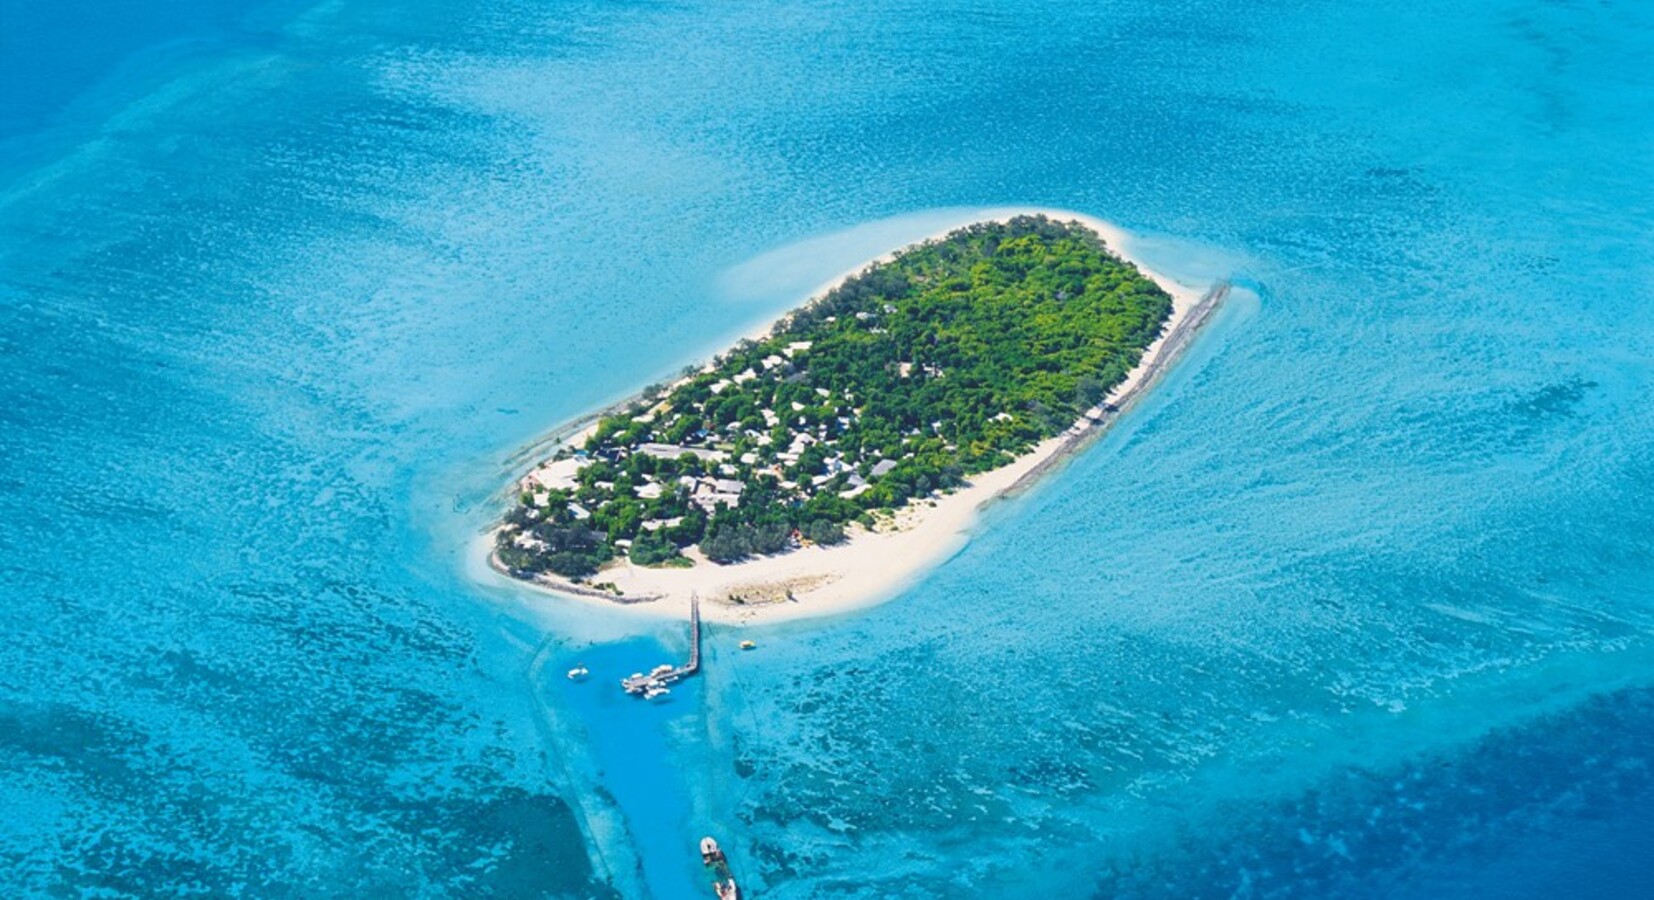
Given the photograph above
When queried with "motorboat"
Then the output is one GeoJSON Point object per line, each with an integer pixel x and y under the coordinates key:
{"type": "Point", "coordinates": [717, 865]}
{"type": "Point", "coordinates": [711, 853]}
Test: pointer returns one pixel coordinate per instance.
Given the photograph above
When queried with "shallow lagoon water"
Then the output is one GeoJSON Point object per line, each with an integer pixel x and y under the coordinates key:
{"type": "Point", "coordinates": [1357, 605]}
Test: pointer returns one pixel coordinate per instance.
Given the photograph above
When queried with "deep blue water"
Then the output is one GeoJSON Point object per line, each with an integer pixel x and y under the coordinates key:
{"type": "Point", "coordinates": [1359, 604]}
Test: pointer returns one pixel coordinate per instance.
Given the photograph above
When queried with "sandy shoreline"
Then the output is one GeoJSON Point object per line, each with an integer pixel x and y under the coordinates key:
{"type": "Point", "coordinates": [874, 566]}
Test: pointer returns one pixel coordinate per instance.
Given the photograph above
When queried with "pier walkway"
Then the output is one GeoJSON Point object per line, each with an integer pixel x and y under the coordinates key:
{"type": "Point", "coordinates": [656, 681]}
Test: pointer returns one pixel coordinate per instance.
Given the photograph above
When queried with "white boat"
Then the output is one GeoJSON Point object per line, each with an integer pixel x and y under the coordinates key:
{"type": "Point", "coordinates": [578, 672]}
{"type": "Point", "coordinates": [711, 854]}
{"type": "Point", "coordinates": [658, 671]}
{"type": "Point", "coordinates": [723, 880]}
{"type": "Point", "coordinates": [655, 693]}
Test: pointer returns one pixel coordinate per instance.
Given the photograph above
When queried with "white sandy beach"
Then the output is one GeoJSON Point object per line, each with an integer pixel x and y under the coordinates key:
{"type": "Point", "coordinates": [872, 566]}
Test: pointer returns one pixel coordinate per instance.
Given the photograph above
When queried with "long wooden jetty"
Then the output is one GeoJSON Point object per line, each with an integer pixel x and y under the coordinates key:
{"type": "Point", "coordinates": [694, 635]}
{"type": "Point", "coordinates": [656, 681]}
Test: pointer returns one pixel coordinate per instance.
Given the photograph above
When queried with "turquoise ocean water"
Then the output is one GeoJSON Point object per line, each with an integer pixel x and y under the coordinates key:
{"type": "Point", "coordinates": [1360, 604]}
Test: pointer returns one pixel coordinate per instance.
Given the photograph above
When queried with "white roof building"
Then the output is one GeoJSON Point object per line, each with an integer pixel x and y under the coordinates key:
{"type": "Point", "coordinates": [673, 451]}
{"type": "Point", "coordinates": [558, 475]}
{"type": "Point", "coordinates": [528, 541]}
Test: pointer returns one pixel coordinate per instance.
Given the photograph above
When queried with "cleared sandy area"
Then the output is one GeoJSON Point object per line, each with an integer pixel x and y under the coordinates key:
{"type": "Point", "coordinates": [873, 565]}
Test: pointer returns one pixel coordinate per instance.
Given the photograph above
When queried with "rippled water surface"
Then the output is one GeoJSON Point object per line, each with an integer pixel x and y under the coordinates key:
{"type": "Point", "coordinates": [1359, 604]}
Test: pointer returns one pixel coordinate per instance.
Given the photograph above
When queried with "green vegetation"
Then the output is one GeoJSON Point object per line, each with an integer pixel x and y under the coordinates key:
{"type": "Point", "coordinates": [953, 359]}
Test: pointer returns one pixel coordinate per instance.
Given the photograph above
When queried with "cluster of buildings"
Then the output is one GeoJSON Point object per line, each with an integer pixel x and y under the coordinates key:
{"type": "Point", "coordinates": [730, 457]}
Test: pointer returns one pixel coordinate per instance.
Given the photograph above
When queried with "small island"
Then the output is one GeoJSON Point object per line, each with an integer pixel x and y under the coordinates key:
{"type": "Point", "coordinates": [753, 480]}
